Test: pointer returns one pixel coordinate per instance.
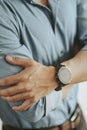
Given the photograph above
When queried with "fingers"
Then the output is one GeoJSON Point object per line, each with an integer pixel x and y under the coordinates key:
{"type": "Point", "coordinates": [10, 80]}
{"type": "Point", "coordinates": [14, 79]}
{"type": "Point", "coordinates": [10, 91]}
{"type": "Point", "coordinates": [19, 61]}
{"type": "Point", "coordinates": [18, 97]}
{"type": "Point", "coordinates": [21, 76]}
{"type": "Point", "coordinates": [24, 106]}
{"type": "Point", "coordinates": [22, 87]}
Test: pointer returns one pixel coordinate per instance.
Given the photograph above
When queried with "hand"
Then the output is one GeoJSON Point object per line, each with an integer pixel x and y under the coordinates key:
{"type": "Point", "coordinates": [32, 83]}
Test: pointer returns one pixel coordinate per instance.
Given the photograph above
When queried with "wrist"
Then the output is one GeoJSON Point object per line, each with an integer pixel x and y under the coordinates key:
{"type": "Point", "coordinates": [53, 76]}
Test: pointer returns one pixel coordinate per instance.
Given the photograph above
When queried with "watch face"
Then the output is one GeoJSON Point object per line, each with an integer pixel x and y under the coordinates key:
{"type": "Point", "coordinates": [65, 75]}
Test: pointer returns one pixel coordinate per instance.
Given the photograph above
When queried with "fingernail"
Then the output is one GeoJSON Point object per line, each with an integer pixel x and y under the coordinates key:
{"type": "Point", "coordinates": [9, 58]}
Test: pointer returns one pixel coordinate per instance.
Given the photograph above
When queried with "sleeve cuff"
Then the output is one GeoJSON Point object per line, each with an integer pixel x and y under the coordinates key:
{"type": "Point", "coordinates": [52, 100]}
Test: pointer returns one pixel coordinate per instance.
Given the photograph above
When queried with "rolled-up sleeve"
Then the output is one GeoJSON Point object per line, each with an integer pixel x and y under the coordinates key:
{"type": "Point", "coordinates": [10, 44]}
{"type": "Point", "coordinates": [82, 23]}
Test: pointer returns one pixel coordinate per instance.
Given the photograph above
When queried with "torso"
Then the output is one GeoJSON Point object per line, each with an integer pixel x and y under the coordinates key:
{"type": "Point", "coordinates": [33, 36]}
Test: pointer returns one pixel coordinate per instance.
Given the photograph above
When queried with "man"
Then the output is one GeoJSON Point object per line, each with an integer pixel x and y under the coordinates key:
{"type": "Point", "coordinates": [36, 36]}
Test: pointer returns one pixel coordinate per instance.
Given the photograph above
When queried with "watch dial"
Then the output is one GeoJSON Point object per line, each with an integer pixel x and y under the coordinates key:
{"type": "Point", "coordinates": [65, 75]}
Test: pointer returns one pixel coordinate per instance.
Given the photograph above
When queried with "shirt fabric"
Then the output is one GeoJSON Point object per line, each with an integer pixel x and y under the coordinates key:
{"type": "Point", "coordinates": [46, 34]}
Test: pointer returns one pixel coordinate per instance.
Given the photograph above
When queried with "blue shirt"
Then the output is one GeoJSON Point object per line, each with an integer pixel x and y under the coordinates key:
{"type": "Point", "coordinates": [45, 34]}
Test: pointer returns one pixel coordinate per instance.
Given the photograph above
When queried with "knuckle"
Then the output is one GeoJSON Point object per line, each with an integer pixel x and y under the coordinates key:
{"type": "Point", "coordinates": [13, 99]}
{"type": "Point", "coordinates": [31, 95]}
{"type": "Point", "coordinates": [15, 58]}
{"type": "Point", "coordinates": [8, 92]}
{"type": "Point", "coordinates": [33, 99]}
{"type": "Point", "coordinates": [30, 78]}
{"type": "Point", "coordinates": [24, 77]}
{"type": "Point", "coordinates": [26, 95]}
{"type": "Point", "coordinates": [27, 63]}
{"type": "Point", "coordinates": [21, 96]}
{"type": "Point", "coordinates": [26, 87]}
{"type": "Point", "coordinates": [19, 89]}
{"type": "Point", "coordinates": [5, 82]}
{"type": "Point", "coordinates": [30, 61]}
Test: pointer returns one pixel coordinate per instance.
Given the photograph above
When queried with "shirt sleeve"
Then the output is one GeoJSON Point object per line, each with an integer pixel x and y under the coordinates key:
{"type": "Point", "coordinates": [10, 45]}
{"type": "Point", "coordinates": [82, 23]}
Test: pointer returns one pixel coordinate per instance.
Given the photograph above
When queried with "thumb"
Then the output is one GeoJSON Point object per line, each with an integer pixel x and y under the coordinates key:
{"type": "Point", "coordinates": [18, 61]}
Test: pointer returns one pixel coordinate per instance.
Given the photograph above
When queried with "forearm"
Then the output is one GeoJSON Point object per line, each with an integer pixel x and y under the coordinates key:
{"type": "Point", "coordinates": [78, 66]}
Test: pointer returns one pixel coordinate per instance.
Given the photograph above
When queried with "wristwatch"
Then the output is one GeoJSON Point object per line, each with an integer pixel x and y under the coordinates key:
{"type": "Point", "coordinates": [63, 76]}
